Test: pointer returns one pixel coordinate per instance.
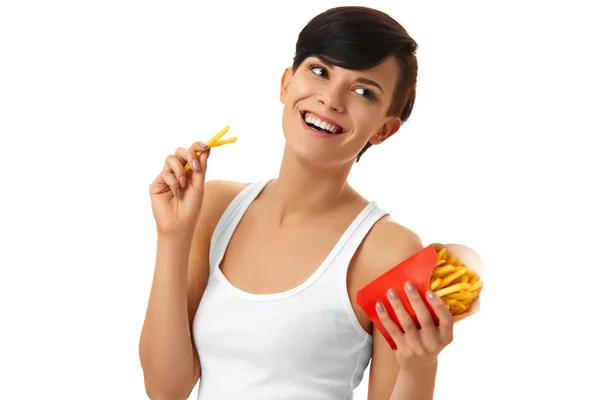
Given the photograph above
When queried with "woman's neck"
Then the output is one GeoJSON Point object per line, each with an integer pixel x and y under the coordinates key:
{"type": "Point", "coordinates": [304, 190]}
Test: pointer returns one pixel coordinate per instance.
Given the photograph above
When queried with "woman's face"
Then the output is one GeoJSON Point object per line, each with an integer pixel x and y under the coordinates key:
{"type": "Point", "coordinates": [349, 107]}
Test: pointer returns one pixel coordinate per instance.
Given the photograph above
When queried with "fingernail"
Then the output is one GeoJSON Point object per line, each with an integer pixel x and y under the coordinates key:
{"type": "Point", "coordinates": [195, 165]}
{"type": "Point", "coordinates": [208, 152]}
{"type": "Point", "coordinates": [409, 286]}
{"type": "Point", "coordinates": [182, 181]}
{"type": "Point", "coordinates": [178, 193]}
{"type": "Point", "coordinates": [379, 307]}
{"type": "Point", "coordinates": [430, 295]}
{"type": "Point", "coordinates": [205, 146]}
{"type": "Point", "coordinates": [392, 293]}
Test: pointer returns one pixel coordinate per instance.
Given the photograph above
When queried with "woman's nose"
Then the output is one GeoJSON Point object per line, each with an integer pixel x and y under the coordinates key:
{"type": "Point", "coordinates": [332, 99]}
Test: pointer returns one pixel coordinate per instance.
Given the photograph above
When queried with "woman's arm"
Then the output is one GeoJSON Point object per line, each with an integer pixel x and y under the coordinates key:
{"type": "Point", "coordinates": [408, 373]}
{"type": "Point", "coordinates": [165, 348]}
{"type": "Point", "coordinates": [415, 385]}
{"type": "Point", "coordinates": [167, 352]}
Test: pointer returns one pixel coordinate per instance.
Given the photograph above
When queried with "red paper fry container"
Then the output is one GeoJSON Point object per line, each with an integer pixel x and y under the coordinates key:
{"type": "Point", "coordinates": [417, 269]}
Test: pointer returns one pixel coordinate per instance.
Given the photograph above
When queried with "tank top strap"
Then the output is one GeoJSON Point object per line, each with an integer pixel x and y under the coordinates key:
{"type": "Point", "coordinates": [353, 237]}
{"type": "Point", "coordinates": [230, 219]}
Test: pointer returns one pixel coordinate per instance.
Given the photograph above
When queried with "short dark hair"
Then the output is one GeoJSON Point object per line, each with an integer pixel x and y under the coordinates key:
{"type": "Point", "coordinates": [356, 38]}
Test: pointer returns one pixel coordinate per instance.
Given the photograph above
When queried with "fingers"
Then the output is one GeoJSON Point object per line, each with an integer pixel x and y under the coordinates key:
{"type": "Point", "coordinates": [418, 305]}
{"type": "Point", "coordinates": [430, 336]}
{"type": "Point", "coordinates": [426, 339]}
{"type": "Point", "coordinates": [174, 173]}
{"type": "Point", "coordinates": [173, 163]}
{"type": "Point", "coordinates": [446, 321]}
{"type": "Point", "coordinates": [171, 181]}
{"type": "Point", "coordinates": [198, 177]}
{"type": "Point", "coordinates": [390, 326]}
{"type": "Point", "coordinates": [411, 331]}
{"type": "Point", "coordinates": [406, 321]}
{"type": "Point", "coordinates": [192, 154]}
{"type": "Point", "coordinates": [204, 159]}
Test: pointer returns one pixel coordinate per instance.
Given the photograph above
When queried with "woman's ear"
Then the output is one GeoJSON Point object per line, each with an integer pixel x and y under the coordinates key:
{"type": "Point", "coordinates": [286, 78]}
{"type": "Point", "coordinates": [388, 129]}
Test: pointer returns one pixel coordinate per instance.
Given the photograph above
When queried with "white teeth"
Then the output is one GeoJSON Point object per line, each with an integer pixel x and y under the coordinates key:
{"type": "Point", "coordinates": [312, 119]}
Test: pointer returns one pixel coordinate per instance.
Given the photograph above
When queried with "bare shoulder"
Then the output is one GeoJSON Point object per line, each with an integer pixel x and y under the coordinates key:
{"type": "Point", "coordinates": [218, 194]}
{"type": "Point", "coordinates": [386, 245]}
{"type": "Point", "coordinates": [224, 186]}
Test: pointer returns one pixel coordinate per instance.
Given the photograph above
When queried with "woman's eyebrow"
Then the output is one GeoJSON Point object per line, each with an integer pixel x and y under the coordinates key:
{"type": "Point", "coordinates": [370, 82]}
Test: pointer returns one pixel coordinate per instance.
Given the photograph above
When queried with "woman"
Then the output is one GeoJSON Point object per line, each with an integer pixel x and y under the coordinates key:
{"type": "Point", "coordinates": [255, 284]}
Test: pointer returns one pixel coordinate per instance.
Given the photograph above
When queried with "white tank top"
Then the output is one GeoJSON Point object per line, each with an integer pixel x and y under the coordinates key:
{"type": "Point", "coordinates": [305, 343]}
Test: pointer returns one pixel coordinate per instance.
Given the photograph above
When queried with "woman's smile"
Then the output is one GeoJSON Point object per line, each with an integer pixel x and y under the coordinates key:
{"type": "Point", "coordinates": [318, 126]}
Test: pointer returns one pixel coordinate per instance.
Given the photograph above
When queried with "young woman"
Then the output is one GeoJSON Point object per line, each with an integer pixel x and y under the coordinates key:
{"type": "Point", "coordinates": [254, 289]}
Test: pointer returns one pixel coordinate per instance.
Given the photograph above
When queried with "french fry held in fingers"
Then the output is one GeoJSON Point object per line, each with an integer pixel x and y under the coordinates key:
{"type": "Point", "coordinates": [214, 141]}
{"type": "Point", "coordinates": [456, 284]}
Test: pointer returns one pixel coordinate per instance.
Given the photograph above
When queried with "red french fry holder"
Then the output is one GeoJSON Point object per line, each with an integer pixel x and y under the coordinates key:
{"type": "Point", "coordinates": [417, 269]}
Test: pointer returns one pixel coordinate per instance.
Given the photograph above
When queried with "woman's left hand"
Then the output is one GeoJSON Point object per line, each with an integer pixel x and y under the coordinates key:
{"type": "Point", "coordinates": [418, 348]}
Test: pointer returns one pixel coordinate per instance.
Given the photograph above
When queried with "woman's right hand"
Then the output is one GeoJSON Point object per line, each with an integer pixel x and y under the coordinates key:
{"type": "Point", "coordinates": [176, 195]}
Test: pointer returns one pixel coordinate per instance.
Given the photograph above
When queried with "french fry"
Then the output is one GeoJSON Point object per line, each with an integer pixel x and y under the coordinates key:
{"type": "Point", "coordinates": [462, 295]}
{"type": "Point", "coordinates": [218, 136]}
{"type": "Point", "coordinates": [476, 286]}
{"type": "Point", "coordinates": [452, 289]}
{"type": "Point", "coordinates": [443, 270]}
{"type": "Point", "coordinates": [224, 141]}
{"type": "Point", "coordinates": [454, 282]}
{"type": "Point", "coordinates": [441, 253]}
{"type": "Point", "coordinates": [214, 142]}
{"type": "Point", "coordinates": [460, 271]}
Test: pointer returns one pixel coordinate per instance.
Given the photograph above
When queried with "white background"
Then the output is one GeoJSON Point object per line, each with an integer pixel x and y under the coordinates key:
{"type": "Point", "coordinates": [498, 155]}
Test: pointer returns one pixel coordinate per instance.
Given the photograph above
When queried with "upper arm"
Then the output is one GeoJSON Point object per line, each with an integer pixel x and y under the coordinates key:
{"type": "Point", "coordinates": [218, 194]}
{"type": "Point", "coordinates": [388, 245]}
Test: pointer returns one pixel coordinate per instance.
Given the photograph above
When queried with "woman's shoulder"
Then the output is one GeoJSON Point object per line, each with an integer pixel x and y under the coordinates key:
{"type": "Point", "coordinates": [220, 188]}
{"type": "Point", "coordinates": [387, 244]}
{"type": "Point", "coordinates": [219, 193]}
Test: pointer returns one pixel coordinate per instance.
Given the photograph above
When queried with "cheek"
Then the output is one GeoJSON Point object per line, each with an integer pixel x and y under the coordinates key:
{"type": "Point", "coordinates": [365, 118]}
{"type": "Point", "coordinates": [301, 89]}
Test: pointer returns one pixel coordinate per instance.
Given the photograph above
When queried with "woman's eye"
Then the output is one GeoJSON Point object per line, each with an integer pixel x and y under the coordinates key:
{"type": "Point", "coordinates": [366, 93]}
{"type": "Point", "coordinates": [319, 70]}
